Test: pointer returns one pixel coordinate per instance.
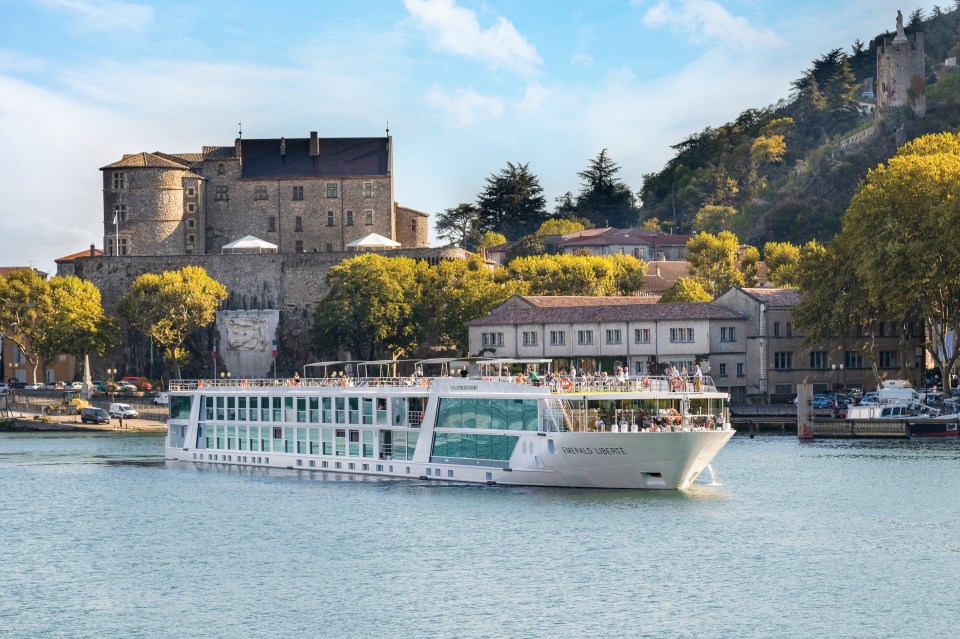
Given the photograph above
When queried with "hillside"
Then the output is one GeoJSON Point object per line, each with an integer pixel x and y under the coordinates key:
{"type": "Point", "coordinates": [786, 172]}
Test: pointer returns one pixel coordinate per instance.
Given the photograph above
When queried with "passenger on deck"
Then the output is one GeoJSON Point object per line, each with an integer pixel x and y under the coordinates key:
{"type": "Point", "coordinates": [697, 378]}
{"type": "Point", "coordinates": [599, 425]}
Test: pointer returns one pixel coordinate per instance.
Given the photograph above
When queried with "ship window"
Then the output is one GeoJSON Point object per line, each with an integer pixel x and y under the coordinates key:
{"type": "Point", "coordinates": [264, 409]}
{"type": "Point", "coordinates": [208, 408]}
{"type": "Point", "coordinates": [354, 441]}
{"type": "Point", "coordinates": [327, 411]}
{"type": "Point", "coordinates": [354, 410]}
{"type": "Point", "coordinates": [301, 441]}
{"type": "Point", "coordinates": [242, 437]}
{"type": "Point", "coordinates": [382, 410]}
{"type": "Point", "coordinates": [277, 411]}
{"type": "Point", "coordinates": [299, 462]}
{"type": "Point", "coordinates": [254, 438]}
{"type": "Point", "coordinates": [288, 440]}
{"type": "Point", "coordinates": [231, 437]}
{"type": "Point", "coordinates": [379, 466]}
{"type": "Point", "coordinates": [180, 407]}
{"type": "Point", "coordinates": [278, 440]}
{"type": "Point", "coordinates": [341, 438]}
{"type": "Point", "coordinates": [366, 410]}
{"type": "Point", "coordinates": [242, 409]}
{"type": "Point", "coordinates": [220, 437]}
{"type": "Point", "coordinates": [314, 441]}
{"type": "Point", "coordinates": [301, 409]}
{"type": "Point", "coordinates": [231, 409]}
{"type": "Point", "coordinates": [220, 414]}
{"type": "Point", "coordinates": [327, 441]}
{"type": "Point", "coordinates": [312, 463]}
{"type": "Point", "coordinates": [494, 414]}
{"type": "Point", "coordinates": [336, 464]}
{"type": "Point", "coordinates": [364, 466]}
{"type": "Point", "coordinates": [324, 464]}
{"type": "Point", "coordinates": [449, 473]}
{"type": "Point", "coordinates": [340, 412]}
{"type": "Point", "coordinates": [368, 443]}
{"type": "Point", "coordinates": [254, 410]}
{"type": "Point", "coordinates": [314, 410]}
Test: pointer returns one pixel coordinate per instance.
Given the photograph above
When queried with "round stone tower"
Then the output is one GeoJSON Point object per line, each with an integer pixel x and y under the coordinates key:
{"type": "Point", "coordinates": [900, 71]}
{"type": "Point", "coordinates": [143, 204]}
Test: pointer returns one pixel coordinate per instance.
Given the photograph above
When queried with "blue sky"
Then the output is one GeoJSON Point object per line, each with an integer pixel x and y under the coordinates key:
{"type": "Point", "coordinates": [466, 86]}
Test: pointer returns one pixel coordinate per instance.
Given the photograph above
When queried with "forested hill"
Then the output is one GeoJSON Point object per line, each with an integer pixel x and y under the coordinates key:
{"type": "Point", "coordinates": [787, 172]}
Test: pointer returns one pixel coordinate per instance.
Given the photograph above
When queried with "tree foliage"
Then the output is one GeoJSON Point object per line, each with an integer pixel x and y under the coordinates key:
{"type": "Point", "coordinates": [604, 199]}
{"type": "Point", "coordinates": [575, 275]}
{"type": "Point", "coordinates": [25, 308]}
{"type": "Point", "coordinates": [459, 225]}
{"type": "Point", "coordinates": [491, 238]}
{"type": "Point", "coordinates": [686, 289]}
{"type": "Point", "coordinates": [373, 307]}
{"type": "Point", "coordinates": [169, 306]}
{"type": "Point", "coordinates": [77, 322]}
{"type": "Point", "coordinates": [714, 260]}
{"type": "Point", "coordinates": [782, 260]}
{"type": "Point", "coordinates": [512, 202]}
{"type": "Point", "coordinates": [713, 219]}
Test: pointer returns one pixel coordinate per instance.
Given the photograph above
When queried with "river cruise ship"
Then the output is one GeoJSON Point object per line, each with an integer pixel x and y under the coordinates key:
{"type": "Point", "coordinates": [596, 432]}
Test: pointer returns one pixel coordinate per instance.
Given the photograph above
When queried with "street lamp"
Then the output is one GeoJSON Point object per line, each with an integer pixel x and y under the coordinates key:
{"type": "Point", "coordinates": [225, 374]}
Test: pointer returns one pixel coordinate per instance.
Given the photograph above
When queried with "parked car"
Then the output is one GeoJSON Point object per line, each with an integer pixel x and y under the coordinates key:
{"type": "Point", "coordinates": [141, 383]}
{"type": "Point", "coordinates": [34, 386]}
{"type": "Point", "coordinates": [94, 416]}
{"type": "Point", "coordinates": [4, 389]}
{"type": "Point", "coordinates": [97, 385]}
{"type": "Point", "coordinates": [822, 401]}
{"type": "Point", "coordinates": [162, 399]}
{"type": "Point", "coordinates": [125, 387]}
{"type": "Point", "coordinates": [54, 386]}
{"type": "Point", "coordinates": [869, 400]}
{"type": "Point", "coordinates": [73, 386]}
{"type": "Point", "coordinates": [123, 410]}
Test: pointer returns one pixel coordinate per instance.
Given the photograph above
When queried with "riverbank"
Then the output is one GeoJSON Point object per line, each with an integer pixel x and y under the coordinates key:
{"type": "Point", "coordinates": [30, 423]}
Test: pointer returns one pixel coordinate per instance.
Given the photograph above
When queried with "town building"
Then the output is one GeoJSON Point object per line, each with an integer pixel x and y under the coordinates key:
{"type": "Point", "coordinates": [644, 245]}
{"type": "Point", "coordinates": [304, 195]}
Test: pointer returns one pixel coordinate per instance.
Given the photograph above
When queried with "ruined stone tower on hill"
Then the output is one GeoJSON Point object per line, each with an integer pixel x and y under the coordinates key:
{"type": "Point", "coordinates": [900, 71]}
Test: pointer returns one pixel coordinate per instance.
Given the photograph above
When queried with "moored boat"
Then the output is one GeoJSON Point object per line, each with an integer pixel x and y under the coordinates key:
{"type": "Point", "coordinates": [647, 433]}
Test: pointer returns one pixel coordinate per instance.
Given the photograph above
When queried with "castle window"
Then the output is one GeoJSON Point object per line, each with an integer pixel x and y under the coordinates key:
{"type": "Point", "coordinates": [413, 225]}
{"type": "Point", "coordinates": [112, 246]}
{"type": "Point", "coordinates": [368, 189]}
{"type": "Point", "coordinates": [119, 180]}
{"type": "Point", "coordinates": [191, 192]}
{"type": "Point", "coordinates": [329, 218]}
{"type": "Point", "coordinates": [349, 218]}
{"type": "Point", "coordinates": [298, 223]}
{"type": "Point", "coordinates": [120, 213]}
{"type": "Point", "coordinates": [191, 207]}
{"type": "Point", "coordinates": [298, 246]}
{"type": "Point", "coordinates": [191, 224]}
{"type": "Point", "coordinates": [298, 192]}
{"type": "Point", "coordinates": [331, 189]}
{"type": "Point", "coordinates": [368, 215]}
{"type": "Point", "coordinates": [191, 239]}
{"type": "Point", "coordinates": [222, 194]}
{"type": "Point", "coordinates": [272, 224]}
{"type": "Point", "coordinates": [260, 193]}
{"type": "Point", "coordinates": [329, 247]}
{"type": "Point", "coordinates": [220, 169]}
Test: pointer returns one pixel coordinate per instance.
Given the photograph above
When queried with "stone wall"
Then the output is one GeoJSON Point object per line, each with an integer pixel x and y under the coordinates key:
{"type": "Point", "coordinates": [901, 74]}
{"type": "Point", "coordinates": [154, 210]}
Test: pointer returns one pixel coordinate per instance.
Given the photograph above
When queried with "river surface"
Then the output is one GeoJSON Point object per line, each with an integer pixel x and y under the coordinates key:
{"type": "Point", "coordinates": [99, 537]}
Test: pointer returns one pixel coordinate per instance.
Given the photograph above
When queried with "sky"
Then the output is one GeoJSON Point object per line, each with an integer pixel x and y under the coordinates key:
{"type": "Point", "coordinates": [465, 85]}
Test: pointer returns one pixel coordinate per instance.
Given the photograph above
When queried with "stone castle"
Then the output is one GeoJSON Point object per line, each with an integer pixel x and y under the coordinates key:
{"type": "Point", "coordinates": [307, 199]}
{"type": "Point", "coordinates": [901, 71]}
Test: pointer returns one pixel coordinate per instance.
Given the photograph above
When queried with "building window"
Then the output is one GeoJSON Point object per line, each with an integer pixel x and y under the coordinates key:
{"type": "Point", "coordinates": [613, 336]}
{"type": "Point", "coordinates": [740, 369]}
{"type": "Point", "coordinates": [783, 360]}
{"type": "Point", "coordinates": [112, 246]}
{"type": "Point", "coordinates": [776, 329]}
{"type": "Point", "coordinates": [681, 334]}
{"type": "Point", "coordinates": [220, 169]}
{"type": "Point", "coordinates": [584, 338]}
{"type": "Point", "coordinates": [413, 226]}
{"type": "Point", "coordinates": [298, 192]}
{"type": "Point", "coordinates": [728, 334]}
{"type": "Point", "coordinates": [191, 239]}
{"type": "Point", "coordinates": [119, 213]}
{"type": "Point", "coordinates": [888, 359]}
{"type": "Point", "coordinates": [818, 359]}
{"type": "Point", "coordinates": [329, 247]}
{"type": "Point", "coordinates": [191, 208]}
{"type": "Point", "coordinates": [119, 180]}
{"type": "Point", "coordinates": [492, 339]}
{"type": "Point", "coordinates": [789, 330]}
{"type": "Point", "coordinates": [368, 217]}
{"type": "Point", "coordinates": [723, 370]}
{"type": "Point", "coordinates": [272, 224]}
{"type": "Point", "coordinates": [368, 189]}
{"type": "Point", "coordinates": [191, 224]}
{"type": "Point", "coordinates": [298, 246]}
{"type": "Point", "coordinates": [331, 189]}
{"type": "Point", "coordinates": [529, 338]}
{"type": "Point", "coordinates": [641, 335]}
{"type": "Point", "coordinates": [191, 192]}
{"type": "Point", "coordinates": [222, 194]}
{"type": "Point", "coordinates": [853, 359]}
{"type": "Point", "coordinates": [558, 338]}
{"type": "Point", "coordinates": [298, 223]}
{"type": "Point", "coordinates": [349, 218]}
{"type": "Point", "coordinates": [329, 218]}
{"type": "Point", "coordinates": [260, 193]}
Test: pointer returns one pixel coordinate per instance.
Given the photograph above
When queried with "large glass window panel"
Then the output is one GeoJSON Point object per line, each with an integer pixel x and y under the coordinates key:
{"type": "Point", "coordinates": [288, 440]}
{"type": "Point", "coordinates": [264, 409]}
{"type": "Point", "coordinates": [242, 437]}
{"type": "Point", "coordinates": [232, 409]}
{"type": "Point", "coordinates": [242, 409]}
{"type": "Point", "coordinates": [444, 412]}
{"type": "Point", "coordinates": [211, 434]}
{"type": "Point", "coordinates": [366, 410]}
{"type": "Point", "coordinates": [341, 442]}
{"type": "Point", "coordinates": [398, 408]}
{"type": "Point", "coordinates": [314, 410]}
{"type": "Point", "coordinates": [440, 445]}
{"type": "Point", "coordinates": [411, 444]}
{"type": "Point", "coordinates": [254, 409]}
{"type": "Point", "coordinates": [468, 412]}
{"type": "Point", "coordinates": [515, 414]}
{"type": "Point", "coordinates": [254, 438]}
{"type": "Point", "coordinates": [485, 446]}
{"type": "Point", "coordinates": [498, 414]}
{"type": "Point", "coordinates": [277, 410]}
{"type": "Point", "coordinates": [484, 410]}
{"type": "Point", "coordinates": [354, 443]}
{"type": "Point", "coordinates": [264, 438]}
{"type": "Point", "coordinates": [221, 437]}
{"type": "Point", "coordinates": [301, 409]}
{"type": "Point", "coordinates": [353, 411]}
{"type": "Point", "coordinates": [180, 407]}
{"type": "Point", "coordinates": [314, 441]}
{"type": "Point", "coordinates": [382, 411]}
{"type": "Point", "coordinates": [327, 408]}
{"type": "Point", "coordinates": [368, 443]}
{"type": "Point", "coordinates": [327, 441]}
{"type": "Point", "coordinates": [398, 446]}
{"type": "Point", "coordinates": [231, 437]}
{"type": "Point", "coordinates": [277, 439]}
{"type": "Point", "coordinates": [341, 410]}
{"type": "Point", "coordinates": [530, 414]}
{"type": "Point", "coordinates": [220, 411]}
{"type": "Point", "coordinates": [208, 407]}
{"type": "Point", "coordinates": [302, 441]}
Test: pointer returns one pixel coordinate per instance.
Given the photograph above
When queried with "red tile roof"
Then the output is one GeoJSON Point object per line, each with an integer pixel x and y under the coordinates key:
{"type": "Point", "coordinates": [559, 301]}
{"type": "Point", "coordinates": [85, 253]}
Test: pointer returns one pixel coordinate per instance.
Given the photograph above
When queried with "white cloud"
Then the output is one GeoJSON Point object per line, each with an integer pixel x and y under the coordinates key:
{"type": "Point", "coordinates": [709, 21]}
{"type": "Point", "coordinates": [464, 107]}
{"type": "Point", "coordinates": [533, 98]}
{"type": "Point", "coordinates": [104, 15]}
{"type": "Point", "coordinates": [581, 59]}
{"type": "Point", "coordinates": [457, 30]}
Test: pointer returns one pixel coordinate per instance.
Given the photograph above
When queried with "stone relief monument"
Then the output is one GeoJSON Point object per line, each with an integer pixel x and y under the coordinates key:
{"type": "Point", "coordinates": [246, 339]}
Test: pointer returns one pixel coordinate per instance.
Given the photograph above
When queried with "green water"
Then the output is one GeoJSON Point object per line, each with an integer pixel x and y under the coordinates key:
{"type": "Point", "coordinates": [102, 538]}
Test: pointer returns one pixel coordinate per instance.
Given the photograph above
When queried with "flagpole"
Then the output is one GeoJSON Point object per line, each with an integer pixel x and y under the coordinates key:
{"type": "Point", "coordinates": [116, 222]}
{"type": "Point", "coordinates": [214, 358]}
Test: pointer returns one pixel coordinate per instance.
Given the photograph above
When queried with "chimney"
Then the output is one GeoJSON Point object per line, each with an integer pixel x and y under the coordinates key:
{"type": "Point", "coordinates": [283, 146]}
{"type": "Point", "coordinates": [236, 147]}
{"type": "Point", "coordinates": [314, 144]}
{"type": "Point", "coordinates": [93, 250]}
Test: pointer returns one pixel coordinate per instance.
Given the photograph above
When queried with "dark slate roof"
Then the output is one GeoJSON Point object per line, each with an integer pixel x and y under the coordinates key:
{"type": "Point", "coordinates": [339, 157]}
{"type": "Point", "coordinates": [554, 301]}
{"type": "Point", "coordinates": [623, 313]}
{"type": "Point", "coordinates": [774, 296]}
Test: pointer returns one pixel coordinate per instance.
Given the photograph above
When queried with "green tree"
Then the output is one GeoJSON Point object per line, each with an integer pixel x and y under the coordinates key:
{"type": "Point", "coordinates": [25, 307]}
{"type": "Point", "coordinates": [713, 219]}
{"type": "Point", "coordinates": [575, 275]}
{"type": "Point", "coordinates": [714, 260]}
{"type": "Point", "coordinates": [169, 306]}
{"type": "Point", "coordinates": [559, 226]}
{"type": "Point", "coordinates": [459, 225]}
{"type": "Point", "coordinates": [749, 266]}
{"type": "Point", "coordinates": [77, 323]}
{"type": "Point", "coordinates": [461, 291]}
{"type": "Point", "coordinates": [512, 202]}
{"type": "Point", "coordinates": [491, 238]}
{"type": "Point", "coordinates": [604, 199]}
{"type": "Point", "coordinates": [686, 289]}
{"type": "Point", "coordinates": [782, 260]}
{"type": "Point", "coordinates": [373, 307]}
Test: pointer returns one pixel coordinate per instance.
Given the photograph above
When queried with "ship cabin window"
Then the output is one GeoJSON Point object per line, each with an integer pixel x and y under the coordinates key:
{"type": "Point", "coordinates": [341, 412]}
{"type": "Point", "coordinates": [254, 409]}
{"type": "Point", "coordinates": [277, 439]}
{"type": "Point", "coordinates": [180, 407]}
{"type": "Point", "coordinates": [242, 409]}
{"type": "Point", "coordinates": [327, 442]}
{"type": "Point", "coordinates": [231, 437]}
{"type": "Point", "coordinates": [221, 436]}
{"type": "Point", "coordinates": [301, 441]}
{"type": "Point", "coordinates": [314, 410]}
{"type": "Point", "coordinates": [326, 414]}
{"type": "Point", "coordinates": [288, 414]}
{"type": "Point", "coordinates": [232, 409]}
{"type": "Point", "coordinates": [254, 438]}
{"type": "Point", "coordinates": [288, 440]}
{"type": "Point", "coordinates": [314, 441]}
{"type": "Point", "coordinates": [354, 443]}
{"type": "Point", "coordinates": [301, 409]}
{"type": "Point", "coordinates": [353, 413]}
{"type": "Point", "coordinates": [341, 440]}
{"type": "Point", "coordinates": [493, 414]}
{"type": "Point", "coordinates": [277, 410]}
{"type": "Point", "coordinates": [368, 443]}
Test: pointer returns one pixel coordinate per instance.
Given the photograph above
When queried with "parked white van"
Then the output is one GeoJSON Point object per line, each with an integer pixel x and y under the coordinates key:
{"type": "Point", "coordinates": [123, 410]}
{"type": "Point", "coordinates": [899, 391]}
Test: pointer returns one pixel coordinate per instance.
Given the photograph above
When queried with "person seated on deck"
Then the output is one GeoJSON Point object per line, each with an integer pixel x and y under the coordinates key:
{"type": "Point", "coordinates": [296, 378]}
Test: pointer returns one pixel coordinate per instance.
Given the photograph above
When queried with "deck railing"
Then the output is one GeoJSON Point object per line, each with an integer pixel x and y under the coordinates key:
{"type": "Point", "coordinates": [556, 383]}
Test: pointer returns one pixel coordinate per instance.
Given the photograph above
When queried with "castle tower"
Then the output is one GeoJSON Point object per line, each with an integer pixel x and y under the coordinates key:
{"type": "Point", "coordinates": [900, 71]}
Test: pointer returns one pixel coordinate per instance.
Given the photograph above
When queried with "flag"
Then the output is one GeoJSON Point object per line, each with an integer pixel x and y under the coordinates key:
{"type": "Point", "coordinates": [116, 218]}
{"type": "Point", "coordinates": [273, 350]}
